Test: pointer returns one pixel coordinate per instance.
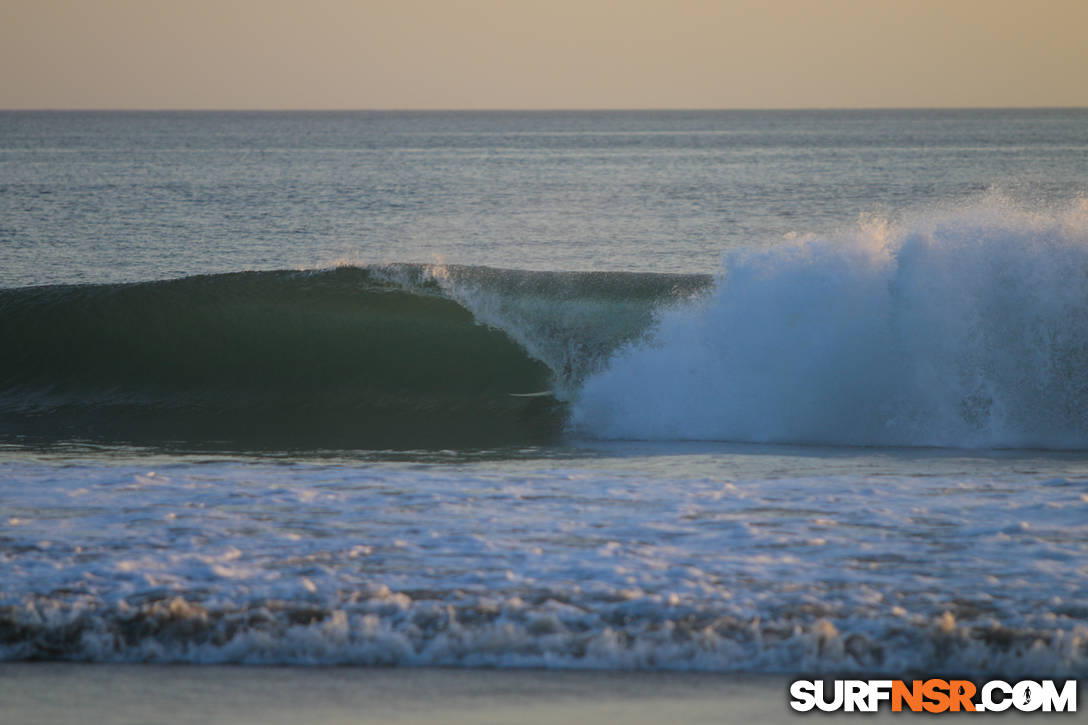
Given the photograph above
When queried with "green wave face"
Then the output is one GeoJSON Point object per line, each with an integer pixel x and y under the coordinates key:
{"type": "Point", "coordinates": [350, 358]}
{"type": "Point", "coordinates": [267, 360]}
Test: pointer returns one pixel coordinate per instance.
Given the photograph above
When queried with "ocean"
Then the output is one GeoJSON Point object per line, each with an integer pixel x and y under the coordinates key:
{"type": "Point", "coordinates": [729, 391]}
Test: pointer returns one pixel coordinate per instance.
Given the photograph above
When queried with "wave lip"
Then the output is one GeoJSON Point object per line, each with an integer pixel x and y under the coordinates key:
{"type": "Point", "coordinates": [966, 329]}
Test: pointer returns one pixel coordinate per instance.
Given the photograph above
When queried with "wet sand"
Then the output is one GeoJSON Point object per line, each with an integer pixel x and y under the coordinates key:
{"type": "Point", "coordinates": [162, 695]}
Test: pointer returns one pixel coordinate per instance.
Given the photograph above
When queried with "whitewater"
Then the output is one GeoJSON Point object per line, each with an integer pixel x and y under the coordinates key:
{"type": "Point", "coordinates": [965, 328]}
{"type": "Point", "coordinates": [567, 563]}
{"type": "Point", "coordinates": [758, 392]}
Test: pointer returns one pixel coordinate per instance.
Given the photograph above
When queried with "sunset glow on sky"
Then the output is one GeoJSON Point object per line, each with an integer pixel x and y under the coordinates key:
{"type": "Point", "coordinates": [514, 54]}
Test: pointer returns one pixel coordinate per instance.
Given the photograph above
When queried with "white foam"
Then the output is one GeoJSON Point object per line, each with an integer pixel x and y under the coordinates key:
{"type": "Point", "coordinates": [972, 565]}
{"type": "Point", "coordinates": [964, 328]}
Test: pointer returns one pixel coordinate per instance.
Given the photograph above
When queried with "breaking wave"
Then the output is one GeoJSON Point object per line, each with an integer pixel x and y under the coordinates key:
{"type": "Point", "coordinates": [967, 328]}
{"type": "Point", "coordinates": [376, 357]}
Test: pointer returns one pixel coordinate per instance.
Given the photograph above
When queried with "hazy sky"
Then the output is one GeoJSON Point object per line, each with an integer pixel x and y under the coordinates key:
{"type": "Point", "coordinates": [542, 53]}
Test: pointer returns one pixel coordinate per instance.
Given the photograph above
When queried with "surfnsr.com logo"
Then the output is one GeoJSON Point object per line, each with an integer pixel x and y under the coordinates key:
{"type": "Point", "coordinates": [933, 696]}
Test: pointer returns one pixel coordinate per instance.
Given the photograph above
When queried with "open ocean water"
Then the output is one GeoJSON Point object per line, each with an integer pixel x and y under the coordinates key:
{"type": "Point", "coordinates": [812, 389]}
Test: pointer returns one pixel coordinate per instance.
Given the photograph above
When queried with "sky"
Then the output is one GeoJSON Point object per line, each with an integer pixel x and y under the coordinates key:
{"type": "Point", "coordinates": [542, 54]}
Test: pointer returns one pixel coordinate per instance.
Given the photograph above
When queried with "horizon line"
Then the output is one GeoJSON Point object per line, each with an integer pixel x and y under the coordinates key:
{"type": "Point", "coordinates": [497, 109]}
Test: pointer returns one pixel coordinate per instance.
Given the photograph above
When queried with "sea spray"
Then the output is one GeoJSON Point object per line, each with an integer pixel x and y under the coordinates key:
{"type": "Point", "coordinates": [966, 328]}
